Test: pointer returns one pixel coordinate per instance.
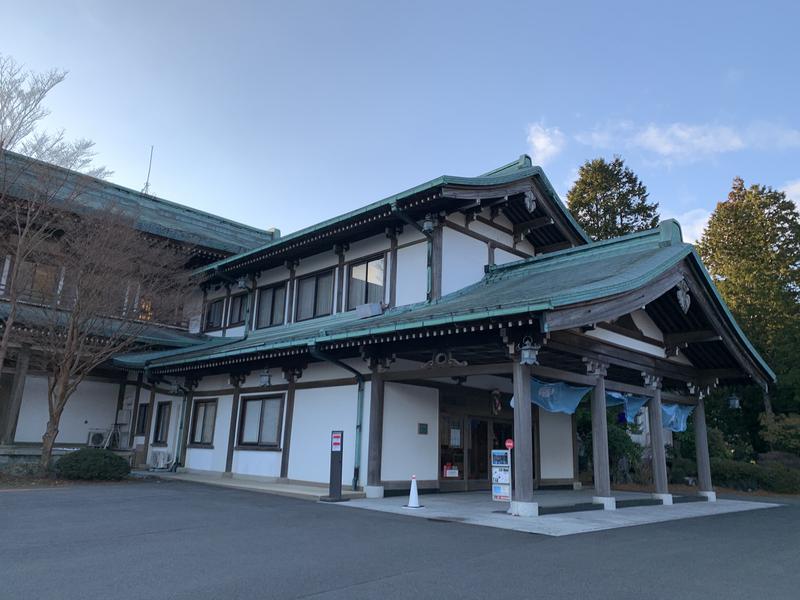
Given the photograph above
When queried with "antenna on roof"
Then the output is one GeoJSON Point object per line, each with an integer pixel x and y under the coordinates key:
{"type": "Point", "coordinates": [146, 188]}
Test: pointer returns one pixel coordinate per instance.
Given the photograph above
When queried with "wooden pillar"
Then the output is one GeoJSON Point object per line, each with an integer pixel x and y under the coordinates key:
{"type": "Point", "coordinates": [657, 440]}
{"type": "Point", "coordinates": [602, 474]}
{"type": "Point", "coordinates": [522, 503]}
{"type": "Point", "coordinates": [392, 267]}
{"type": "Point", "coordinates": [150, 416]}
{"type": "Point", "coordinates": [183, 440]}
{"type": "Point", "coordinates": [15, 399]}
{"type": "Point", "coordinates": [435, 241]}
{"type": "Point", "coordinates": [374, 489]}
{"type": "Point", "coordinates": [135, 414]}
{"type": "Point", "coordinates": [237, 381]}
{"type": "Point", "coordinates": [290, 375]}
{"type": "Point", "coordinates": [701, 446]}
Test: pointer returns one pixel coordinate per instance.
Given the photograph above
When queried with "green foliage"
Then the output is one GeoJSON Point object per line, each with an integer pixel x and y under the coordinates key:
{"type": "Point", "coordinates": [92, 463]}
{"type": "Point", "coordinates": [681, 468]}
{"type": "Point", "coordinates": [751, 247]}
{"type": "Point", "coordinates": [624, 455]}
{"type": "Point", "coordinates": [684, 445]}
{"type": "Point", "coordinates": [608, 200]}
{"type": "Point", "coordinates": [751, 476]}
{"type": "Point", "coordinates": [782, 432]}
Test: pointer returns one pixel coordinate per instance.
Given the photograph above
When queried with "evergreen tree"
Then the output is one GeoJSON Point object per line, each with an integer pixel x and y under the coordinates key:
{"type": "Point", "coordinates": [608, 200]}
{"type": "Point", "coordinates": [751, 247]}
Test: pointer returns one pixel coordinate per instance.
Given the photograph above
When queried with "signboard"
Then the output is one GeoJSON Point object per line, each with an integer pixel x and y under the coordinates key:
{"type": "Point", "coordinates": [336, 441]}
{"type": "Point", "coordinates": [501, 475]}
{"type": "Point", "coordinates": [509, 444]}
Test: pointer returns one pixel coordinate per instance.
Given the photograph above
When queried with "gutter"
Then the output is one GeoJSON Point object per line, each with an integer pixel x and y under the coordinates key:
{"type": "Point", "coordinates": [319, 355]}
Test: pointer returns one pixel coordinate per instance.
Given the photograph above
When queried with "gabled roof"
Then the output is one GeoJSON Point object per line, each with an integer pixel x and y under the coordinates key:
{"type": "Point", "coordinates": [517, 170]}
{"type": "Point", "coordinates": [543, 284]}
{"type": "Point", "coordinates": [154, 215]}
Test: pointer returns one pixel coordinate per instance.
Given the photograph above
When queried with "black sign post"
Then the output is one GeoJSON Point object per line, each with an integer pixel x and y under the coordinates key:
{"type": "Point", "coordinates": [335, 489]}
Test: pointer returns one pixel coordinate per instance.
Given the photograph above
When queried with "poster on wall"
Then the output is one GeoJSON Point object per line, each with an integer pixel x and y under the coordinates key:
{"type": "Point", "coordinates": [501, 475]}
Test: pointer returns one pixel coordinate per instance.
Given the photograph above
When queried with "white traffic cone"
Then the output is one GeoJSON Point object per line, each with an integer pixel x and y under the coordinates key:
{"type": "Point", "coordinates": [413, 496]}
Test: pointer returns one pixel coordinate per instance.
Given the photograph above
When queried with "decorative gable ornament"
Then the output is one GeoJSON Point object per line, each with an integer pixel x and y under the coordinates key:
{"type": "Point", "coordinates": [684, 298]}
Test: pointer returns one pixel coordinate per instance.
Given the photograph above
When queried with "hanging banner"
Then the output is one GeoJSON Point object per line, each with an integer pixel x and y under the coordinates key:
{"type": "Point", "coordinates": [632, 403]}
{"type": "Point", "coordinates": [675, 417]}
{"type": "Point", "coordinates": [557, 397]}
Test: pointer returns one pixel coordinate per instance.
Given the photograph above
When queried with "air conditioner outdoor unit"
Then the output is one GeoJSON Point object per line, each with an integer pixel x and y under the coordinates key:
{"type": "Point", "coordinates": [96, 437]}
{"type": "Point", "coordinates": [161, 459]}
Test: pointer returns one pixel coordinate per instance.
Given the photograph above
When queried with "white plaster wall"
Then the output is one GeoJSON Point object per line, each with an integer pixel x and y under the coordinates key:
{"type": "Point", "coordinates": [213, 459]}
{"type": "Point", "coordinates": [525, 247]}
{"type": "Point", "coordinates": [463, 259]}
{"type": "Point", "coordinates": [256, 463]}
{"type": "Point", "coordinates": [317, 412]}
{"type": "Point", "coordinates": [502, 257]}
{"type": "Point", "coordinates": [317, 262]}
{"type": "Point", "coordinates": [405, 452]}
{"type": "Point", "coordinates": [412, 274]}
{"type": "Point", "coordinates": [492, 233]}
{"type": "Point", "coordinates": [92, 406]}
{"type": "Point", "coordinates": [626, 342]}
{"type": "Point", "coordinates": [647, 325]}
{"type": "Point", "coordinates": [555, 445]}
{"type": "Point", "coordinates": [367, 247]}
{"type": "Point", "coordinates": [271, 276]}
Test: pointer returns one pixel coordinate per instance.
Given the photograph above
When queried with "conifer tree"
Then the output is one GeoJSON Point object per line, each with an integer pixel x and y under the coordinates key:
{"type": "Point", "coordinates": [609, 200]}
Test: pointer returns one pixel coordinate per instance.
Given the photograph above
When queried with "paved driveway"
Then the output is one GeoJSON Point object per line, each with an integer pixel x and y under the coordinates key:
{"type": "Point", "coordinates": [177, 540]}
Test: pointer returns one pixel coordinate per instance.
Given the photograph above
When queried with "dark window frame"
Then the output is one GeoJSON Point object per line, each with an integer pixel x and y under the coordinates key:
{"type": "Point", "coordinates": [193, 430]}
{"type": "Point", "coordinates": [241, 445]}
{"type": "Point", "coordinates": [159, 418]}
{"type": "Point", "coordinates": [141, 420]}
{"type": "Point", "coordinates": [273, 287]}
{"type": "Point", "coordinates": [208, 326]}
{"type": "Point", "coordinates": [243, 299]}
{"type": "Point", "coordinates": [365, 261]}
{"type": "Point", "coordinates": [315, 275]}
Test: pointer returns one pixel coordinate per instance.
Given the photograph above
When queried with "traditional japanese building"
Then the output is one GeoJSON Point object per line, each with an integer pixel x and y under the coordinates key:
{"type": "Point", "coordinates": [410, 324]}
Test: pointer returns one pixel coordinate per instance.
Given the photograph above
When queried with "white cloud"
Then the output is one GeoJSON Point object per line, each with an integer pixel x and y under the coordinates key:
{"type": "Point", "coordinates": [792, 189]}
{"type": "Point", "coordinates": [687, 142]}
{"type": "Point", "coordinates": [545, 142]}
{"type": "Point", "coordinates": [692, 222]}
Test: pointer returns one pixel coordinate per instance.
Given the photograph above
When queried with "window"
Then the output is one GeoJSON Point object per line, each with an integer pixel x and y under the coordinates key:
{"type": "Point", "coordinates": [315, 296]}
{"type": "Point", "coordinates": [366, 283]}
{"type": "Point", "coordinates": [260, 421]}
{"type": "Point", "coordinates": [203, 418]}
{"type": "Point", "coordinates": [141, 419]}
{"type": "Point", "coordinates": [237, 310]}
{"type": "Point", "coordinates": [271, 306]}
{"type": "Point", "coordinates": [214, 314]}
{"type": "Point", "coordinates": [162, 423]}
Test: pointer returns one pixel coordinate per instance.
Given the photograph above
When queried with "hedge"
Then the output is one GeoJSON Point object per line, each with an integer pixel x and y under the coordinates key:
{"type": "Point", "coordinates": [92, 464]}
{"type": "Point", "coordinates": [751, 476]}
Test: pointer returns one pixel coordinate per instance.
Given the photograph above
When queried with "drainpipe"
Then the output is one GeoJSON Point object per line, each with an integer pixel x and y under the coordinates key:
{"type": "Point", "coordinates": [319, 355]}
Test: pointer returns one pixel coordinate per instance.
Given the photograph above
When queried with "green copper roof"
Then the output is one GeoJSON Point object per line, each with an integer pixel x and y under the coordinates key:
{"type": "Point", "coordinates": [539, 284]}
{"type": "Point", "coordinates": [154, 215]}
{"type": "Point", "coordinates": [514, 171]}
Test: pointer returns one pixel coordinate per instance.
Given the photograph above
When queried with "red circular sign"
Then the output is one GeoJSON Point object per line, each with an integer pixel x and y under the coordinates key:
{"type": "Point", "coordinates": [509, 444]}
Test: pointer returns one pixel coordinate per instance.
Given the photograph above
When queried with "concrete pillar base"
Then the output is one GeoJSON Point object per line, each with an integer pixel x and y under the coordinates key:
{"type": "Point", "coordinates": [710, 496]}
{"type": "Point", "coordinates": [524, 509]}
{"type": "Point", "coordinates": [227, 475]}
{"type": "Point", "coordinates": [608, 502]}
{"type": "Point", "coordinates": [666, 499]}
{"type": "Point", "coordinates": [373, 491]}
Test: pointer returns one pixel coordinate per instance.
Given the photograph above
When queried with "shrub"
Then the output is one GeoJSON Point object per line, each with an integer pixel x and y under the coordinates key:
{"type": "Point", "coordinates": [92, 463]}
{"type": "Point", "coordinates": [751, 476]}
{"type": "Point", "coordinates": [782, 432]}
{"type": "Point", "coordinates": [682, 468]}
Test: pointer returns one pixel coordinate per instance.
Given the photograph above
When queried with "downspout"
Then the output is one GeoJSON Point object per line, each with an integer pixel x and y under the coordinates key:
{"type": "Point", "coordinates": [319, 355]}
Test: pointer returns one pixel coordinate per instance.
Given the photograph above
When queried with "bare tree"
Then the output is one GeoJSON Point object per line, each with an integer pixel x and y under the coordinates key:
{"type": "Point", "coordinates": [114, 284]}
{"type": "Point", "coordinates": [33, 194]}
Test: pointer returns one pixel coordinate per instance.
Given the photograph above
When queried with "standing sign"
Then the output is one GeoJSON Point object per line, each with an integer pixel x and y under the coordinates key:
{"type": "Point", "coordinates": [335, 485]}
{"type": "Point", "coordinates": [501, 475]}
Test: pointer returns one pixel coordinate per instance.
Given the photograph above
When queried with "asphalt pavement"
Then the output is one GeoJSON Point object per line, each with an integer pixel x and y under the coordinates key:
{"type": "Point", "coordinates": [180, 540]}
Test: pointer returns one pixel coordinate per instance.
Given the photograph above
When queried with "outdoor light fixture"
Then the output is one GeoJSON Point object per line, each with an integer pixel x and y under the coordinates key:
{"type": "Point", "coordinates": [265, 379]}
{"type": "Point", "coordinates": [242, 282]}
{"type": "Point", "coordinates": [733, 402]}
{"type": "Point", "coordinates": [528, 352]}
{"type": "Point", "coordinates": [427, 224]}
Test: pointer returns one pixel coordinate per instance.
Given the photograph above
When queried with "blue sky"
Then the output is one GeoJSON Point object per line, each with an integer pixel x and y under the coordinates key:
{"type": "Point", "coordinates": [287, 113]}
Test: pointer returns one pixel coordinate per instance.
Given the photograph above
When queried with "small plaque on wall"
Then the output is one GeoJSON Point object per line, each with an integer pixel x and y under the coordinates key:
{"type": "Point", "coordinates": [422, 428]}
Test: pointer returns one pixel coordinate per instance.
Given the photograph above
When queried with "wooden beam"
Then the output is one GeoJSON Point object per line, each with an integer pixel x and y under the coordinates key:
{"type": "Point", "coordinates": [436, 372]}
{"type": "Point", "coordinates": [692, 337]}
{"type": "Point", "coordinates": [528, 226]}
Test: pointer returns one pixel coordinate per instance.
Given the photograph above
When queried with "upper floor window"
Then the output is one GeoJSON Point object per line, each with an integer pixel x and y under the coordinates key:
{"type": "Point", "coordinates": [214, 314]}
{"type": "Point", "coordinates": [237, 310]}
{"type": "Point", "coordinates": [314, 296]}
{"type": "Point", "coordinates": [366, 283]}
{"type": "Point", "coordinates": [271, 306]}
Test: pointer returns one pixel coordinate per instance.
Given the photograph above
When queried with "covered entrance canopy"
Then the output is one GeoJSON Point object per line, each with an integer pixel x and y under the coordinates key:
{"type": "Point", "coordinates": [636, 315]}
